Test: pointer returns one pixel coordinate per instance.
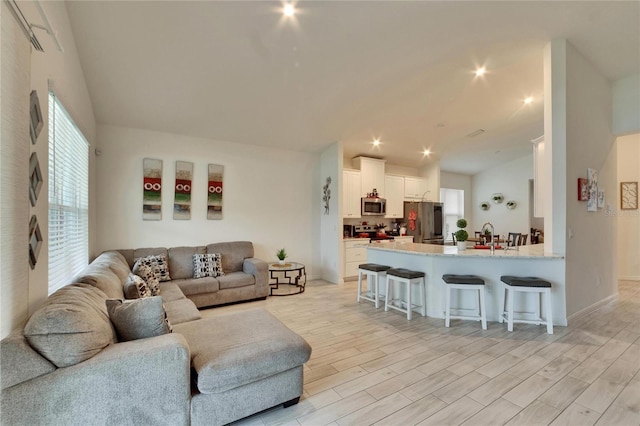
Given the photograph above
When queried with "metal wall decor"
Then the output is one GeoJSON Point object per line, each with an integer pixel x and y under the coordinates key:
{"type": "Point", "coordinates": [497, 198]}
{"type": "Point", "coordinates": [35, 179]}
{"type": "Point", "coordinates": [35, 241]}
{"type": "Point", "coordinates": [511, 204]}
{"type": "Point", "coordinates": [484, 205]}
{"type": "Point", "coordinates": [36, 117]}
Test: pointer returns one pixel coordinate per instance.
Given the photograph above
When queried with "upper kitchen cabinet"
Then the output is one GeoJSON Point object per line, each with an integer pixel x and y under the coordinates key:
{"type": "Point", "coordinates": [414, 187]}
{"type": "Point", "coordinates": [394, 193]}
{"type": "Point", "coordinates": [350, 194]}
{"type": "Point", "coordinates": [371, 175]}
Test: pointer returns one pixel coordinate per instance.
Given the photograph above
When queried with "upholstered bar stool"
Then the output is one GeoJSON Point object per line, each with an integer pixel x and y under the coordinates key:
{"type": "Point", "coordinates": [465, 282]}
{"type": "Point", "coordinates": [525, 285]}
{"type": "Point", "coordinates": [375, 275]}
{"type": "Point", "coordinates": [407, 277]}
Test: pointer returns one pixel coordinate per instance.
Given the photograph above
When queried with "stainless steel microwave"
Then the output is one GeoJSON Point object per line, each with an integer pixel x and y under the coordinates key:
{"type": "Point", "coordinates": [373, 206]}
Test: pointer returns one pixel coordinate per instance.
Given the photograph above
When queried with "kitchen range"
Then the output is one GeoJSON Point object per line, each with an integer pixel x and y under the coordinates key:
{"type": "Point", "coordinates": [373, 232]}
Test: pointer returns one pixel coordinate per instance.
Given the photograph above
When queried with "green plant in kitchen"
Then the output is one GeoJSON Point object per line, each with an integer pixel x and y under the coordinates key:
{"type": "Point", "coordinates": [461, 234]}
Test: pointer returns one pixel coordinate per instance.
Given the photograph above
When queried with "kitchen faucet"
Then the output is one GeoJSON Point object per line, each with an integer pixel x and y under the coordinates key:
{"type": "Point", "coordinates": [491, 244]}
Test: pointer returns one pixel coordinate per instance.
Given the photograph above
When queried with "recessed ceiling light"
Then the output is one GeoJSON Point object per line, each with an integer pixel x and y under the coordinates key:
{"type": "Point", "coordinates": [528, 100]}
{"type": "Point", "coordinates": [426, 152]}
{"type": "Point", "coordinates": [289, 10]}
{"type": "Point", "coordinates": [376, 142]}
{"type": "Point", "coordinates": [480, 71]}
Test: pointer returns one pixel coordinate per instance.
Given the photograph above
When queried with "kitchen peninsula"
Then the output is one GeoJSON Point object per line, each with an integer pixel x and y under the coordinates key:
{"type": "Point", "coordinates": [436, 260]}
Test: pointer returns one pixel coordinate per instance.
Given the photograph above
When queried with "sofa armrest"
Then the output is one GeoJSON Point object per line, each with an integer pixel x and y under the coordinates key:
{"type": "Point", "coordinates": [260, 270]}
{"type": "Point", "coordinates": [144, 381]}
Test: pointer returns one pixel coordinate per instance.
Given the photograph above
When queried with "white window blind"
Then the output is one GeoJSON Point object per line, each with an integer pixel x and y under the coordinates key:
{"type": "Point", "coordinates": [453, 200]}
{"type": "Point", "coordinates": [68, 197]}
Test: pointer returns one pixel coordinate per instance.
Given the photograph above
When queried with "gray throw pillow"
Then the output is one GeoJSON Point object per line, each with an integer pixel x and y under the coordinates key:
{"type": "Point", "coordinates": [136, 288]}
{"type": "Point", "coordinates": [207, 265]}
{"type": "Point", "coordinates": [138, 318]}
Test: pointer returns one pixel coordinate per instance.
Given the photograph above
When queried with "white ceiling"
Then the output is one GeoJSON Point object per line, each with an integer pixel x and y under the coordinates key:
{"type": "Point", "coordinates": [344, 71]}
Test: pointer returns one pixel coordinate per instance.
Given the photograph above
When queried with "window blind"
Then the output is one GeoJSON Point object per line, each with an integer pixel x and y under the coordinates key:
{"type": "Point", "coordinates": [453, 200]}
{"type": "Point", "coordinates": [68, 197]}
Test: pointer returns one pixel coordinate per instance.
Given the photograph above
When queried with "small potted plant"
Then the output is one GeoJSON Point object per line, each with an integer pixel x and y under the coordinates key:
{"type": "Point", "coordinates": [281, 255]}
{"type": "Point", "coordinates": [461, 234]}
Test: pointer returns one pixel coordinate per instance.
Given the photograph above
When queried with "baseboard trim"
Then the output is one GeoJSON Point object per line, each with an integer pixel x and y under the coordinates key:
{"type": "Point", "coordinates": [592, 308]}
{"type": "Point", "coordinates": [629, 278]}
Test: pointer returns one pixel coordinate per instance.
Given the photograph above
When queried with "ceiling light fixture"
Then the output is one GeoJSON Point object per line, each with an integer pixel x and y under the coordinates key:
{"type": "Point", "coordinates": [528, 100]}
{"type": "Point", "coordinates": [289, 10]}
{"type": "Point", "coordinates": [426, 152]}
{"type": "Point", "coordinates": [376, 142]}
{"type": "Point", "coordinates": [480, 71]}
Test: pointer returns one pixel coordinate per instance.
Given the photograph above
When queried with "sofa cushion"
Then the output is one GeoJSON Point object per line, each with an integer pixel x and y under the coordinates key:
{"type": "Point", "coordinates": [182, 310]}
{"type": "Point", "coordinates": [71, 326]}
{"type": "Point", "coordinates": [136, 288]}
{"type": "Point", "coordinates": [15, 351]}
{"type": "Point", "coordinates": [181, 261]}
{"type": "Point", "coordinates": [138, 318]}
{"type": "Point", "coordinates": [102, 277]}
{"type": "Point", "coordinates": [147, 273]}
{"type": "Point", "coordinates": [158, 263]}
{"type": "Point", "coordinates": [170, 291]}
{"type": "Point", "coordinates": [207, 265]}
{"type": "Point", "coordinates": [233, 254]}
{"type": "Point", "coordinates": [231, 350]}
{"type": "Point", "coordinates": [236, 279]}
{"type": "Point", "coordinates": [198, 285]}
{"type": "Point", "coordinates": [114, 261]}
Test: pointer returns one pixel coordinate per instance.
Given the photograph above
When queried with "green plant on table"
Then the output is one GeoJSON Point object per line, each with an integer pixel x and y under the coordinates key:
{"type": "Point", "coordinates": [281, 254]}
{"type": "Point", "coordinates": [461, 234]}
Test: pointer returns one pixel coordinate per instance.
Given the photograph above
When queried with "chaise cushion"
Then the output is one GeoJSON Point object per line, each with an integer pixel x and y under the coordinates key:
{"type": "Point", "coordinates": [170, 291]}
{"type": "Point", "coordinates": [138, 318]}
{"type": "Point", "coordinates": [72, 326]}
{"type": "Point", "coordinates": [182, 310]}
{"type": "Point", "coordinates": [181, 261]}
{"type": "Point", "coordinates": [232, 350]}
{"type": "Point", "coordinates": [198, 285]}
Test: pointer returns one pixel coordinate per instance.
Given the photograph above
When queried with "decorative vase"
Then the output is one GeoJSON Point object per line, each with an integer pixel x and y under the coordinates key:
{"type": "Point", "coordinates": [462, 245]}
{"type": "Point", "coordinates": [280, 262]}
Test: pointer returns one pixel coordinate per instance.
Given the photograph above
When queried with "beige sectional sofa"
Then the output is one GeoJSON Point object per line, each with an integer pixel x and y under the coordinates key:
{"type": "Point", "coordinates": [245, 277]}
{"type": "Point", "coordinates": [67, 366]}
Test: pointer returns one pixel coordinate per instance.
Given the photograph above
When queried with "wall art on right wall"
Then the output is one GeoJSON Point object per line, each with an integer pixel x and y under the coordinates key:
{"type": "Point", "coordinates": [629, 195]}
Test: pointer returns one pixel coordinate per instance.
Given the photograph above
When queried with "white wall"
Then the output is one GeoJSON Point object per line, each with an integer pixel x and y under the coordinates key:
{"type": "Point", "coordinates": [14, 160]}
{"type": "Point", "coordinates": [590, 236]}
{"type": "Point", "coordinates": [431, 172]}
{"type": "Point", "coordinates": [33, 73]}
{"type": "Point", "coordinates": [463, 182]}
{"type": "Point", "coordinates": [331, 223]}
{"type": "Point", "coordinates": [626, 105]}
{"type": "Point", "coordinates": [512, 181]}
{"type": "Point", "coordinates": [269, 195]}
{"type": "Point", "coordinates": [628, 221]}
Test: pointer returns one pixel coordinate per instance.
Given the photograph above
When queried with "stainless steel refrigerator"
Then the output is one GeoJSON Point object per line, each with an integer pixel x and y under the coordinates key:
{"type": "Point", "coordinates": [424, 221]}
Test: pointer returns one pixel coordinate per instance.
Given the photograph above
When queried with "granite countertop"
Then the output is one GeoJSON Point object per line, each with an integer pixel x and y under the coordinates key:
{"type": "Point", "coordinates": [535, 251]}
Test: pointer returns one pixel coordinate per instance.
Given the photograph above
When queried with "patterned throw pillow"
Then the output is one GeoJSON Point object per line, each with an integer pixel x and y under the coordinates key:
{"type": "Point", "coordinates": [147, 274]}
{"type": "Point", "coordinates": [159, 265]}
{"type": "Point", "coordinates": [136, 288]}
{"type": "Point", "coordinates": [207, 265]}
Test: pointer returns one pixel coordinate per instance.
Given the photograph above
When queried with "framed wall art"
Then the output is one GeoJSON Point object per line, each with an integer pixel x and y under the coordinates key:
{"type": "Point", "coordinates": [35, 179]}
{"type": "Point", "coordinates": [182, 191]}
{"type": "Point", "coordinates": [592, 179]}
{"type": "Point", "coordinates": [628, 195]}
{"type": "Point", "coordinates": [151, 189]}
{"type": "Point", "coordinates": [36, 117]}
{"type": "Point", "coordinates": [214, 192]}
{"type": "Point", "coordinates": [583, 189]}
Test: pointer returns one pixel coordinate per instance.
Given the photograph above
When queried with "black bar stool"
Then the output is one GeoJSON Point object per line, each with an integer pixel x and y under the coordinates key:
{"type": "Point", "coordinates": [535, 285]}
{"type": "Point", "coordinates": [465, 282]}
{"type": "Point", "coordinates": [375, 273]}
{"type": "Point", "coordinates": [408, 277]}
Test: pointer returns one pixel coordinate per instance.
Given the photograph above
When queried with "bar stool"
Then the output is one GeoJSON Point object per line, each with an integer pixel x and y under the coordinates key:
{"type": "Point", "coordinates": [374, 273]}
{"type": "Point", "coordinates": [465, 282]}
{"type": "Point", "coordinates": [525, 285]}
{"type": "Point", "coordinates": [408, 277]}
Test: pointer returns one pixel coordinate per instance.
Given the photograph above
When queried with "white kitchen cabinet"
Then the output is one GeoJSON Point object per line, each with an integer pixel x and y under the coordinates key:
{"type": "Point", "coordinates": [371, 175]}
{"type": "Point", "coordinates": [394, 193]}
{"type": "Point", "coordinates": [354, 256]}
{"type": "Point", "coordinates": [351, 194]}
{"type": "Point", "coordinates": [414, 187]}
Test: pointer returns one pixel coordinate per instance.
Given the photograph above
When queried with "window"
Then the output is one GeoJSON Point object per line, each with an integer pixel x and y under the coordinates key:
{"type": "Point", "coordinates": [68, 197]}
{"type": "Point", "coordinates": [453, 200]}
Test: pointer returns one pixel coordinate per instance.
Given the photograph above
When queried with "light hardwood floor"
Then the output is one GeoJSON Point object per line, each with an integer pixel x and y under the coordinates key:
{"type": "Point", "coordinates": [374, 367]}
